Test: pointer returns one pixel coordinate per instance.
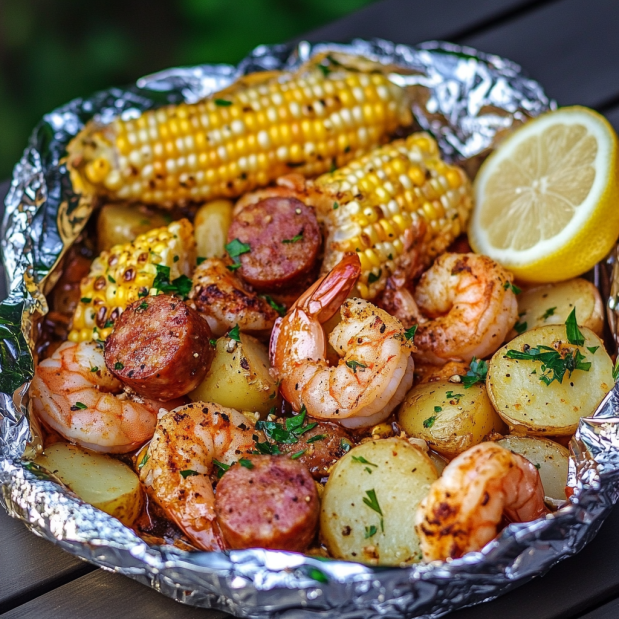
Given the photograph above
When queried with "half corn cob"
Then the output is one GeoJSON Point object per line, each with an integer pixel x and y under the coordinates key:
{"type": "Point", "coordinates": [372, 205]}
{"type": "Point", "coordinates": [241, 138]}
{"type": "Point", "coordinates": [127, 272]}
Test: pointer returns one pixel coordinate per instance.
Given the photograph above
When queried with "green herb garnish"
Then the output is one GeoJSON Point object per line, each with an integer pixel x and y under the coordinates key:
{"type": "Point", "coordinates": [234, 333]}
{"type": "Point", "coordinates": [298, 454]}
{"type": "Point", "coordinates": [200, 260]}
{"type": "Point", "coordinates": [237, 248]}
{"type": "Point", "coordinates": [108, 324]}
{"type": "Point", "coordinates": [234, 267]}
{"type": "Point", "coordinates": [111, 279]}
{"type": "Point", "coordinates": [280, 309]}
{"type": "Point", "coordinates": [119, 365]}
{"type": "Point", "coordinates": [362, 460]}
{"type": "Point", "coordinates": [144, 461]}
{"type": "Point", "coordinates": [554, 364]}
{"type": "Point", "coordinates": [222, 102]}
{"type": "Point", "coordinates": [248, 464]}
{"type": "Point", "coordinates": [520, 327]}
{"type": "Point", "coordinates": [345, 445]}
{"type": "Point", "coordinates": [437, 409]}
{"type": "Point", "coordinates": [221, 468]}
{"type": "Point", "coordinates": [574, 336]}
{"type": "Point", "coordinates": [374, 278]}
{"type": "Point", "coordinates": [94, 368]}
{"type": "Point", "coordinates": [179, 286]}
{"type": "Point", "coordinates": [353, 365]}
{"type": "Point", "coordinates": [370, 531]}
{"type": "Point", "coordinates": [294, 239]}
{"type": "Point", "coordinates": [592, 349]}
{"type": "Point", "coordinates": [188, 473]}
{"type": "Point", "coordinates": [85, 299]}
{"type": "Point", "coordinates": [335, 206]}
{"type": "Point", "coordinates": [429, 422]}
{"type": "Point", "coordinates": [476, 374]}
{"type": "Point", "coordinates": [409, 334]}
{"type": "Point", "coordinates": [316, 437]}
{"type": "Point", "coordinates": [548, 313]}
{"type": "Point", "coordinates": [514, 288]}
{"type": "Point", "coordinates": [454, 396]}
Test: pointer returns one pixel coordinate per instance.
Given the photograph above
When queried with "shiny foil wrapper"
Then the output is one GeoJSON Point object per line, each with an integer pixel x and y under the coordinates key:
{"type": "Point", "coordinates": [468, 101]}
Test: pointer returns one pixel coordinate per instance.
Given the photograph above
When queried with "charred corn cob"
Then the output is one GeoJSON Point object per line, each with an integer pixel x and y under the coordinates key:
{"type": "Point", "coordinates": [376, 204]}
{"type": "Point", "coordinates": [241, 138]}
{"type": "Point", "coordinates": [127, 272]}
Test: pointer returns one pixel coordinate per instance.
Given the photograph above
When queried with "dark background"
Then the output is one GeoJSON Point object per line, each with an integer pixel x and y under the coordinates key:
{"type": "Point", "coordinates": [54, 50]}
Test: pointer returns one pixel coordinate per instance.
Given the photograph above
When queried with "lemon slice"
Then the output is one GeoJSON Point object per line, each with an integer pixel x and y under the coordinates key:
{"type": "Point", "coordinates": [547, 200]}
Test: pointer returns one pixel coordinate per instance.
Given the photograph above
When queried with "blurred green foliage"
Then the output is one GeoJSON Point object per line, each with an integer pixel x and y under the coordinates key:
{"type": "Point", "coordinates": [53, 51]}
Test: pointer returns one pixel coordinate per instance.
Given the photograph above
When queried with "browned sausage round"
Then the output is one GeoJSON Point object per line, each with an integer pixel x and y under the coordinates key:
{"type": "Point", "coordinates": [320, 448]}
{"type": "Point", "coordinates": [284, 238]}
{"type": "Point", "coordinates": [160, 348]}
{"type": "Point", "coordinates": [267, 502]}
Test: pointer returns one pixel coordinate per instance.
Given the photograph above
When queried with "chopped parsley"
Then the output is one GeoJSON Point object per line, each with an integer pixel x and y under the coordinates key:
{"type": "Point", "coordinates": [549, 312]}
{"type": "Point", "coordinates": [554, 364]}
{"type": "Point", "coordinates": [372, 502]}
{"type": "Point", "coordinates": [111, 279]}
{"type": "Point", "coordinates": [616, 370]}
{"type": "Point", "coordinates": [143, 305]}
{"type": "Point", "coordinates": [200, 260]}
{"type": "Point", "coordinates": [345, 445]}
{"type": "Point", "coordinates": [317, 437]}
{"type": "Point", "coordinates": [335, 206]}
{"type": "Point", "coordinates": [119, 366]}
{"type": "Point", "coordinates": [85, 299]}
{"type": "Point", "coordinates": [221, 468]}
{"type": "Point", "coordinates": [454, 396]}
{"type": "Point", "coordinates": [409, 334]}
{"type": "Point", "coordinates": [362, 460]}
{"type": "Point", "coordinates": [236, 248]}
{"type": "Point", "coordinates": [353, 365]}
{"type": "Point", "coordinates": [287, 433]}
{"type": "Point", "coordinates": [514, 288]}
{"type": "Point", "coordinates": [179, 286]}
{"type": "Point", "coordinates": [298, 454]}
{"type": "Point", "coordinates": [437, 409]}
{"type": "Point", "coordinates": [143, 462]}
{"type": "Point", "coordinates": [188, 473]}
{"type": "Point", "coordinates": [374, 278]}
{"type": "Point", "coordinates": [108, 324]}
{"type": "Point", "coordinates": [537, 466]}
{"type": "Point", "coordinates": [248, 464]}
{"type": "Point", "coordinates": [234, 333]}
{"type": "Point", "coordinates": [520, 327]}
{"type": "Point", "coordinates": [592, 349]}
{"type": "Point", "coordinates": [268, 449]}
{"type": "Point", "coordinates": [79, 406]}
{"type": "Point", "coordinates": [234, 267]}
{"type": "Point", "coordinates": [222, 102]}
{"type": "Point", "coordinates": [213, 343]}
{"type": "Point", "coordinates": [294, 239]}
{"type": "Point", "coordinates": [476, 374]}
{"type": "Point", "coordinates": [142, 293]}
{"type": "Point", "coordinates": [280, 309]}
{"type": "Point", "coordinates": [574, 335]}
{"type": "Point", "coordinates": [95, 368]}
{"type": "Point", "coordinates": [370, 531]}
{"type": "Point", "coordinates": [429, 422]}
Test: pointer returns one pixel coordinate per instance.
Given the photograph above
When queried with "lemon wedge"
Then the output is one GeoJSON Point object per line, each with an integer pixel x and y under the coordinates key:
{"type": "Point", "coordinates": [547, 200]}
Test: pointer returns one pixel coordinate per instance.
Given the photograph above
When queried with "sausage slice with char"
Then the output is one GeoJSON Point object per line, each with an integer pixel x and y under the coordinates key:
{"type": "Point", "coordinates": [160, 347]}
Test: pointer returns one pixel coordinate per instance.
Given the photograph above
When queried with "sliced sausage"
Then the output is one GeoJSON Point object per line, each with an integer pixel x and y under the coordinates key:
{"type": "Point", "coordinates": [284, 240]}
{"type": "Point", "coordinates": [320, 448]}
{"type": "Point", "coordinates": [267, 502]}
{"type": "Point", "coordinates": [160, 348]}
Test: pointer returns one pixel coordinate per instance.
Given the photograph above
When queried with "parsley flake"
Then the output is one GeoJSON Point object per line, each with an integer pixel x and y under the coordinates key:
{"type": "Point", "coordinates": [213, 343]}
{"type": "Point", "coordinates": [370, 531]}
{"type": "Point", "coordinates": [353, 365]}
{"type": "Point", "coordinates": [372, 502]}
{"type": "Point", "coordinates": [108, 324]}
{"type": "Point", "coordinates": [298, 454]}
{"type": "Point", "coordinates": [574, 335]}
{"type": "Point", "coordinates": [437, 409]}
{"type": "Point", "coordinates": [188, 473]}
{"type": "Point", "coordinates": [294, 239]}
{"type": "Point", "coordinates": [237, 248]}
{"type": "Point", "coordinates": [85, 299]}
{"type": "Point", "coordinates": [548, 313]}
{"type": "Point", "coordinates": [429, 422]}
{"type": "Point", "coordinates": [234, 267]}
{"type": "Point", "coordinates": [111, 279]}
{"type": "Point", "coordinates": [316, 437]}
{"type": "Point", "coordinates": [222, 102]}
{"type": "Point", "coordinates": [335, 206]}
{"type": "Point", "coordinates": [234, 333]}
{"type": "Point", "coordinates": [409, 334]}
{"type": "Point", "coordinates": [221, 468]}
{"type": "Point", "coordinates": [592, 349]}
{"type": "Point", "coordinates": [513, 287]}
{"type": "Point", "coordinates": [248, 464]}
{"type": "Point", "coordinates": [94, 368]}
{"type": "Point", "coordinates": [179, 286]}
{"type": "Point", "coordinates": [119, 366]}
{"type": "Point", "coordinates": [345, 445]}
{"type": "Point", "coordinates": [145, 459]}
{"type": "Point", "coordinates": [520, 327]}
{"type": "Point", "coordinates": [616, 370]}
{"type": "Point", "coordinates": [143, 305]}
{"type": "Point", "coordinates": [476, 374]}
{"type": "Point", "coordinates": [362, 460]}
{"type": "Point", "coordinates": [555, 364]}
{"type": "Point", "coordinates": [454, 396]}
{"type": "Point", "coordinates": [280, 309]}
{"type": "Point", "coordinates": [200, 260]}
{"type": "Point", "coordinates": [538, 466]}
{"type": "Point", "coordinates": [374, 278]}
{"type": "Point", "coordinates": [79, 406]}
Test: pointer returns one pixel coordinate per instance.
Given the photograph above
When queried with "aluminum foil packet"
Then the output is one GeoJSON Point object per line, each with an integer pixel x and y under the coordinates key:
{"type": "Point", "coordinates": [467, 100]}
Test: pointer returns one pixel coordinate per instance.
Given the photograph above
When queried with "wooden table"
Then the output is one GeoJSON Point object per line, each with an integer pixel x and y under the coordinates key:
{"type": "Point", "coordinates": [572, 48]}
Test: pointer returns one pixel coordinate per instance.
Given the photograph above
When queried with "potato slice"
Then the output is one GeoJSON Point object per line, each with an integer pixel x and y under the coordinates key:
{"type": "Point", "coordinates": [239, 377]}
{"type": "Point", "coordinates": [527, 404]}
{"type": "Point", "coordinates": [450, 418]}
{"type": "Point", "coordinates": [104, 482]}
{"type": "Point", "coordinates": [552, 304]}
{"type": "Point", "coordinates": [389, 475]}
{"type": "Point", "coordinates": [211, 228]}
{"type": "Point", "coordinates": [550, 459]}
{"type": "Point", "coordinates": [122, 223]}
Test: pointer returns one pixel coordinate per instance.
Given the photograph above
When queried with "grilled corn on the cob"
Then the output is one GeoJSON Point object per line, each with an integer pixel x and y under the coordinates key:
{"type": "Point", "coordinates": [372, 205]}
{"type": "Point", "coordinates": [127, 272]}
{"type": "Point", "coordinates": [241, 138]}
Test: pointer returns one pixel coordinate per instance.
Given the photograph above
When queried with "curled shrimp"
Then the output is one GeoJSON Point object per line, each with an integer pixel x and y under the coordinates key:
{"type": "Point", "coordinates": [224, 301]}
{"type": "Point", "coordinates": [75, 394]}
{"type": "Point", "coordinates": [180, 460]}
{"type": "Point", "coordinates": [469, 305]}
{"type": "Point", "coordinates": [375, 369]}
{"type": "Point", "coordinates": [466, 505]}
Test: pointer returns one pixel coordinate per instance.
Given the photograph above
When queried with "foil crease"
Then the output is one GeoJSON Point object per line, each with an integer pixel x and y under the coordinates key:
{"type": "Point", "coordinates": [468, 101]}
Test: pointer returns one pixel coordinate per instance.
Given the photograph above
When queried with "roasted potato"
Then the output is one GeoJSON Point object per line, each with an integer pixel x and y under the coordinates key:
{"type": "Point", "coordinates": [122, 223]}
{"type": "Point", "coordinates": [450, 418]}
{"type": "Point", "coordinates": [550, 459]}
{"type": "Point", "coordinates": [211, 228]}
{"type": "Point", "coordinates": [239, 377]}
{"type": "Point", "coordinates": [552, 304]}
{"type": "Point", "coordinates": [104, 482]}
{"type": "Point", "coordinates": [369, 503]}
{"type": "Point", "coordinates": [518, 389]}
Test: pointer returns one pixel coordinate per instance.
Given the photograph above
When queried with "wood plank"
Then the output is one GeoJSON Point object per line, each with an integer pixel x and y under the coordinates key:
{"type": "Point", "coordinates": [565, 45]}
{"type": "Point", "coordinates": [407, 21]}
{"type": "Point", "coordinates": [29, 565]}
{"type": "Point", "coordinates": [101, 595]}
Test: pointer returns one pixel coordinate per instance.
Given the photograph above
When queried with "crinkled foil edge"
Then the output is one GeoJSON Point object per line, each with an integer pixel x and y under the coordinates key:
{"type": "Point", "coordinates": [469, 101]}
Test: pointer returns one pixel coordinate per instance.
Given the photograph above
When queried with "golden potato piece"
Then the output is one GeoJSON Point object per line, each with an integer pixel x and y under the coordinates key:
{"type": "Point", "coordinates": [527, 403]}
{"type": "Point", "coordinates": [211, 228]}
{"type": "Point", "coordinates": [369, 503]}
{"type": "Point", "coordinates": [239, 377]}
{"type": "Point", "coordinates": [450, 418]}
{"type": "Point", "coordinates": [104, 482]}
{"type": "Point", "coordinates": [552, 304]}
{"type": "Point", "coordinates": [550, 459]}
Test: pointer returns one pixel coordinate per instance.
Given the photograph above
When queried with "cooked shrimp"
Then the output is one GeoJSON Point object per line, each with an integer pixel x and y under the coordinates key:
{"type": "Point", "coordinates": [224, 301]}
{"type": "Point", "coordinates": [471, 308]}
{"type": "Point", "coordinates": [75, 395]}
{"type": "Point", "coordinates": [180, 459]}
{"type": "Point", "coordinates": [465, 506]}
{"type": "Point", "coordinates": [375, 369]}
